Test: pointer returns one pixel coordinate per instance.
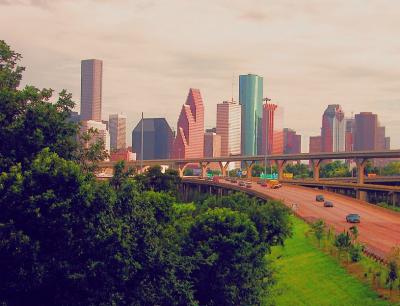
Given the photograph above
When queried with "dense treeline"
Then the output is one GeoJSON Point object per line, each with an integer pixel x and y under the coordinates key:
{"type": "Point", "coordinates": [68, 239]}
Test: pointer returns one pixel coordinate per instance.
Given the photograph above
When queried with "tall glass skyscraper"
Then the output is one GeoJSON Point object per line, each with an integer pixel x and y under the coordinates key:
{"type": "Point", "coordinates": [251, 99]}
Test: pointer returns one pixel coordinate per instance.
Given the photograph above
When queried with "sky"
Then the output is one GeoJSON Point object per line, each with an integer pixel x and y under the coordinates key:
{"type": "Point", "coordinates": [311, 53]}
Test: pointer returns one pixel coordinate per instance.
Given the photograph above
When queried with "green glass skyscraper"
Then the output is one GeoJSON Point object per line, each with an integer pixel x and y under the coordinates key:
{"type": "Point", "coordinates": [251, 99]}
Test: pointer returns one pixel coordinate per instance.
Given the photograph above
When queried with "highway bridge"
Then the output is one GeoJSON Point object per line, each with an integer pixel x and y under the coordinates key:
{"type": "Point", "coordinates": [379, 228]}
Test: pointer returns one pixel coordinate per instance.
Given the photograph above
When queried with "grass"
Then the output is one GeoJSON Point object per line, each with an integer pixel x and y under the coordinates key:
{"type": "Point", "coordinates": [308, 276]}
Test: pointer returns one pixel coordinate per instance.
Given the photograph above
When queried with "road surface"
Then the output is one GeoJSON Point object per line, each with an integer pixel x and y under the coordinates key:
{"type": "Point", "coordinates": [379, 229]}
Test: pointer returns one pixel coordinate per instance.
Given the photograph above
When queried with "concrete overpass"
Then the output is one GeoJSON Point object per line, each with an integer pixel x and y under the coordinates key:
{"type": "Point", "coordinates": [379, 228]}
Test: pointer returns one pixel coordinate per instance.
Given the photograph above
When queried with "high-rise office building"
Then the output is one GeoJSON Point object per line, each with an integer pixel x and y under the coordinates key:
{"type": "Point", "coordinates": [292, 142]}
{"type": "Point", "coordinates": [91, 89]}
{"type": "Point", "coordinates": [333, 129]}
{"type": "Point", "coordinates": [251, 100]}
{"type": "Point", "coordinates": [189, 141]}
{"type": "Point", "coordinates": [349, 136]}
{"type": "Point", "coordinates": [229, 127]}
{"type": "Point", "coordinates": [101, 133]}
{"type": "Point", "coordinates": [157, 139]}
{"type": "Point", "coordinates": [117, 129]}
{"type": "Point", "coordinates": [272, 129]}
{"type": "Point", "coordinates": [315, 144]}
{"type": "Point", "coordinates": [212, 144]}
{"type": "Point", "coordinates": [365, 131]}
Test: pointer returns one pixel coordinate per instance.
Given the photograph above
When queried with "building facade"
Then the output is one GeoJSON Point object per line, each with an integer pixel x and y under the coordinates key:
{"type": "Point", "coordinates": [251, 100]}
{"type": "Point", "coordinates": [189, 141]}
{"type": "Point", "coordinates": [212, 144]}
{"type": "Point", "coordinates": [229, 127]}
{"type": "Point", "coordinates": [157, 139]}
{"type": "Point", "coordinates": [349, 136]}
{"type": "Point", "coordinates": [272, 134]}
{"type": "Point", "coordinates": [292, 142]}
{"type": "Point", "coordinates": [102, 133]}
{"type": "Point", "coordinates": [315, 144]}
{"type": "Point", "coordinates": [91, 89]}
{"type": "Point", "coordinates": [333, 129]}
{"type": "Point", "coordinates": [365, 131]}
{"type": "Point", "coordinates": [117, 129]}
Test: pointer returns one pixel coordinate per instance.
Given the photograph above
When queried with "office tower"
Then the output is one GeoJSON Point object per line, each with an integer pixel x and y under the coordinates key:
{"type": "Point", "coordinates": [101, 133]}
{"type": "Point", "coordinates": [315, 144]}
{"type": "Point", "coordinates": [292, 141]}
{"type": "Point", "coordinates": [157, 139]}
{"type": "Point", "coordinates": [272, 129]}
{"type": "Point", "coordinates": [117, 129]}
{"type": "Point", "coordinates": [365, 131]}
{"type": "Point", "coordinates": [251, 100]}
{"type": "Point", "coordinates": [229, 127]}
{"type": "Point", "coordinates": [212, 144]}
{"type": "Point", "coordinates": [91, 86]}
{"type": "Point", "coordinates": [333, 129]}
{"type": "Point", "coordinates": [349, 134]}
{"type": "Point", "coordinates": [189, 141]}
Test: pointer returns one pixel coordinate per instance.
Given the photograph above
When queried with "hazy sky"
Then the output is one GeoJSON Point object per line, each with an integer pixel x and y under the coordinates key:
{"type": "Point", "coordinates": [310, 53]}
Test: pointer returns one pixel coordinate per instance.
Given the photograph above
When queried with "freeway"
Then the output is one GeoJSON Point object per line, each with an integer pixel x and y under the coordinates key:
{"type": "Point", "coordinates": [379, 229]}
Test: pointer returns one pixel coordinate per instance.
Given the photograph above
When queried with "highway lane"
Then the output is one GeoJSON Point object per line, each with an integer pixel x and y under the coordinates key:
{"type": "Point", "coordinates": [379, 229]}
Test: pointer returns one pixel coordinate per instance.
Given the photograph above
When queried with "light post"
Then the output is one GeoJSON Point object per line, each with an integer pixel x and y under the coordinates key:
{"type": "Point", "coordinates": [141, 148]}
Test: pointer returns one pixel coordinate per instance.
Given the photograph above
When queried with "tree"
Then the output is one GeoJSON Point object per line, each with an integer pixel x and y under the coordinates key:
{"type": "Point", "coordinates": [318, 229]}
{"type": "Point", "coordinates": [299, 170]}
{"type": "Point", "coordinates": [28, 121]}
{"type": "Point", "coordinates": [229, 262]}
{"type": "Point", "coordinates": [342, 242]}
{"type": "Point", "coordinates": [354, 232]}
{"type": "Point", "coordinates": [393, 274]}
{"type": "Point", "coordinates": [335, 169]}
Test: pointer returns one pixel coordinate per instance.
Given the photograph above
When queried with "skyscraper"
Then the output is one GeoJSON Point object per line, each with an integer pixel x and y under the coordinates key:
{"type": "Point", "coordinates": [365, 131]}
{"type": "Point", "coordinates": [333, 129]}
{"type": "Point", "coordinates": [292, 142]}
{"type": "Point", "coordinates": [117, 128]}
{"type": "Point", "coordinates": [157, 139]}
{"type": "Point", "coordinates": [229, 127]}
{"type": "Point", "coordinates": [212, 144]}
{"type": "Point", "coordinates": [189, 141]}
{"type": "Point", "coordinates": [91, 89]}
{"type": "Point", "coordinates": [349, 136]}
{"type": "Point", "coordinates": [101, 133]}
{"type": "Point", "coordinates": [315, 144]}
{"type": "Point", "coordinates": [251, 100]}
{"type": "Point", "coordinates": [272, 129]}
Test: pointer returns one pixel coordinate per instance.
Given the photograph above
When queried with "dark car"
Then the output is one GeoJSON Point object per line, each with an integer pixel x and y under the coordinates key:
{"type": "Point", "coordinates": [328, 204]}
{"type": "Point", "coordinates": [320, 198]}
{"type": "Point", "coordinates": [242, 183]}
{"type": "Point", "coordinates": [248, 184]}
{"type": "Point", "coordinates": [353, 218]}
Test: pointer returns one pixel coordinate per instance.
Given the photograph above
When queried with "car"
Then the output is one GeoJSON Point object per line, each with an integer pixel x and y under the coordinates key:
{"type": "Point", "coordinates": [248, 184]}
{"type": "Point", "coordinates": [264, 184]}
{"type": "Point", "coordinates": [242, 183]}
{"type": "Point", "coordinates": [276, 186]}
{"type": "Point", "coordinates": [328, 204]}
{"type": "Point", "coordinates": [234, 180]}
{"type": "Point", "coordinates": [319, 198]}
{"type": "Point", "coordinates": [353, 218]}
{"type": "Point", "coordinates": [260, 181]}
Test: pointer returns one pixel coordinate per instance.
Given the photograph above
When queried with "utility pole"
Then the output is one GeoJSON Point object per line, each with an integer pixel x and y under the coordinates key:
{"type": "Point", "coordinates": [141, 148]}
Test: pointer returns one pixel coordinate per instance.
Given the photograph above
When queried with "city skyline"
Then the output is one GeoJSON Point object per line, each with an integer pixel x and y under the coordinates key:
{"type": "Point", "coordinates": [357, 71]}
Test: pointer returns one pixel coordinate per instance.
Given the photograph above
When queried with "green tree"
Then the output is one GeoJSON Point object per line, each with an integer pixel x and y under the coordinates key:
{"type": "Point", "coordinates": [342, 242]}
{"type": "Point", "coordinates": [335, 169]}
{"type": "Point", "coordinates": [393, 274]}
{"type": "Point", "coordinates": [392, 168]}
{"type": "Point", "coordinates": [28, 121]}
{"type": "Point", "coordinates": [318, 229]}
{"type": "Point", "coordinates": [229, 263]}
{"type": "Point", "coordinates": [354, 233]}
{"type": "Point", "coordinates": [299, 170]}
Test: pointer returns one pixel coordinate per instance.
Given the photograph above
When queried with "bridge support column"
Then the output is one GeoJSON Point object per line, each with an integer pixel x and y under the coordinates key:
{"type": "Point", "coordinates": [223, 168]}
{"type": "Point", "coordinates": [316, 165]}
{"type": "Point", "coordinates": [203, 166]}
{"type": "Point", "coordinates": [361, 195]}
{"type": "Point", "coordinates": [361, 163]}
{"type": "Point", "coordinates": [249, 168]}
{"type": "Point", "coordinates": [281, 166]}
{"type": "Point", "coordinates": [394, 198]}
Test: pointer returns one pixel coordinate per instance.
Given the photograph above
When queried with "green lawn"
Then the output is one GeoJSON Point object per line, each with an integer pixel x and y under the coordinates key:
{"type": "Point", "coordinates": [307, 276]}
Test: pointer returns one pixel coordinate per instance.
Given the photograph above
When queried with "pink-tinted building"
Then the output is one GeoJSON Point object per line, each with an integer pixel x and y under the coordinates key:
{"type": "Point", "coordinates": [189, 141]}
{"type": "Point", "coordinates": [333, 129]}
{"type": "Point", "coordinates": [272, 129]}
{"type": "Point", "coordinates": [117, 129]}
{"type": "Point", "coordinates": [229, 127]}
{"type": "Point", "coordinates": [292, 141]}
{"type": "Point", "coordinates": [91, 89]}
{"type": "Point", "coordinates": [212, 144]}
{"type": "Point", "coordinates": [315, 144]}
{"type": "Point", "coordinates": [123, 154]}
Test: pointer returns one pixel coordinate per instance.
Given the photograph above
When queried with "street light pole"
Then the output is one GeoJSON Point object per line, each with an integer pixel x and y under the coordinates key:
{"type": "Point", "coordinates": [141, 147]}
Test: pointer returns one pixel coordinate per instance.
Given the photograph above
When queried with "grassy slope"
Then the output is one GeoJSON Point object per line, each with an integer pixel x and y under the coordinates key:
{"type": "Point", "coordinates": [306, 276]}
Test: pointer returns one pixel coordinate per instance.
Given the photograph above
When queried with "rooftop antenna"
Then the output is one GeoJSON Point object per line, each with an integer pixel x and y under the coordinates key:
{"type": "Point", "coordinates": [266, 99]}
